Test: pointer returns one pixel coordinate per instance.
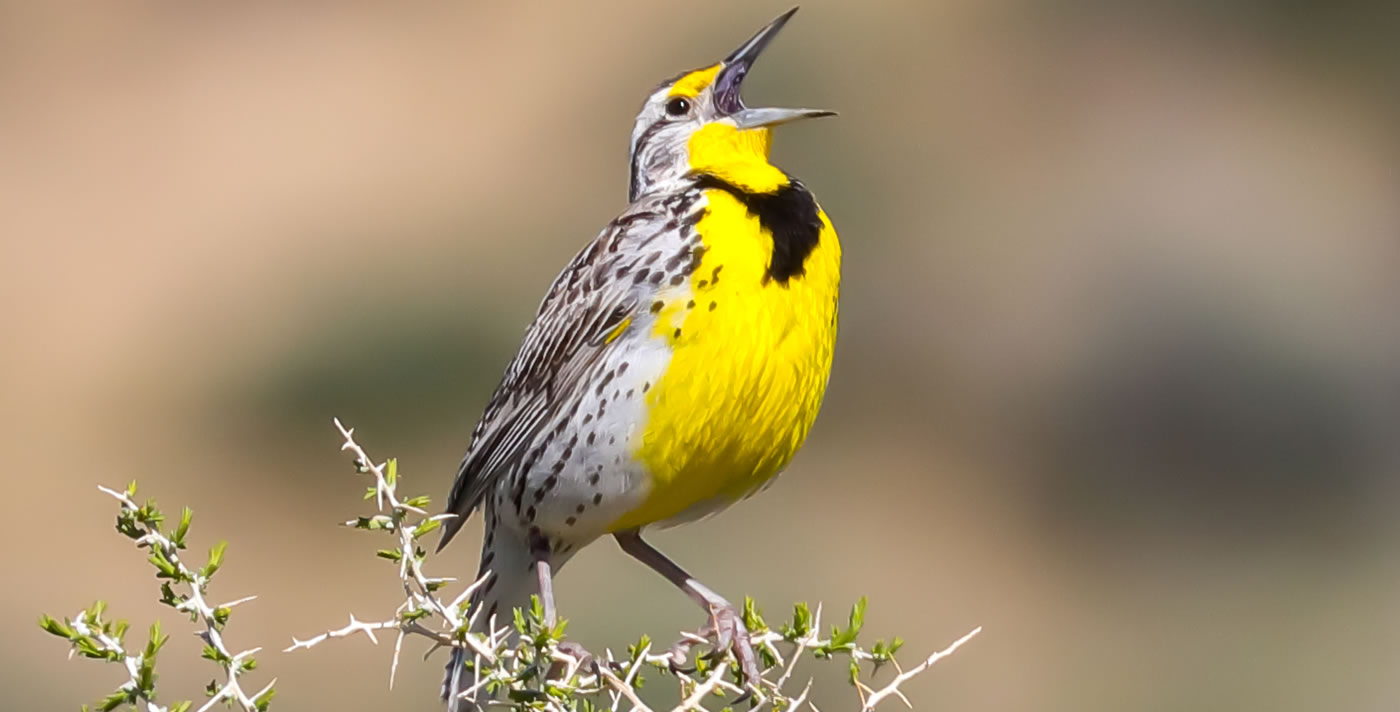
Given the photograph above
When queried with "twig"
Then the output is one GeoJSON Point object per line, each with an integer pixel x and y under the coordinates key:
{"type": "Point", "coordinates": [693, 701]}
{"type": "Point", "coordinates": [625, 688]}
{"type": "Point", "coordinates": [893, 687]}
{"type": "Point", "coordinates": [231, 664]}
{"type": "Point", "coordinates": [419, 589]}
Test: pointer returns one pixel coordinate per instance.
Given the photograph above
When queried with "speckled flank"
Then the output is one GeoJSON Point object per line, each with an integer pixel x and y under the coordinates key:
{"type": "Point", "coordinates": [579, 474]}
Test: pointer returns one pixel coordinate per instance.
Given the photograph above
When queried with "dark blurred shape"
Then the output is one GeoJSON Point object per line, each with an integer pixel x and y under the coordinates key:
{"type": "Point", "coordinates": [396, 373]}
{"type": "Point", "coordinates": [1189, 412]}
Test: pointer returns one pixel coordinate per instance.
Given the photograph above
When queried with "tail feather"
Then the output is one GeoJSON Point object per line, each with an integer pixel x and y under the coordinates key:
{"type": "Point", "coordinates": [508, 569]}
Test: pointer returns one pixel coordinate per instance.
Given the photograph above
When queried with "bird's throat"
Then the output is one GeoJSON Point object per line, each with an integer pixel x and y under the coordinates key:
{"type": "Point", "coordinates": [739, 158]}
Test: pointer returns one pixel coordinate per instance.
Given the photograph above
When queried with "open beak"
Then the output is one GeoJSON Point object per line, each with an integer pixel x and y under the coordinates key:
{"type": "Point", "coordinates": [731, 79]}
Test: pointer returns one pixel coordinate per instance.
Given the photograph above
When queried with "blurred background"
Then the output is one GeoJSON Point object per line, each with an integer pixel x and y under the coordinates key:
{"type": "Point", "coordinates": [1119, 367]}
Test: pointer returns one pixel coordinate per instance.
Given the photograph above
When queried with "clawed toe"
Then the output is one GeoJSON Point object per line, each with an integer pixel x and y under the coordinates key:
{"type": "Point", "coordinates": [678, 655]}
{"type": "Point", "coordinates": [732, 634]}
{"type": "Point", "coordinates": [724, 631]}
{"type": "Point", "coordinates": [679, 652]}
{"type": "Point", "coordinates": [577, 652]}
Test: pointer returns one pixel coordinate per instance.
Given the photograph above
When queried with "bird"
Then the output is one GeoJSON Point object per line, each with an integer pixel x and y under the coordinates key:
{"type": "Point", "coordinates": [674, 366]}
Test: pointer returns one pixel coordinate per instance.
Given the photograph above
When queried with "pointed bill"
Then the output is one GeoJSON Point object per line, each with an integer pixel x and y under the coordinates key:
{"type": "Point", "coordinates": [731, 79]}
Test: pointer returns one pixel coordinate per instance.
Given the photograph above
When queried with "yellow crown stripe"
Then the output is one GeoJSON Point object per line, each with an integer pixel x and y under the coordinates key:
{"type": "Point", "coordinates": [695, 82]}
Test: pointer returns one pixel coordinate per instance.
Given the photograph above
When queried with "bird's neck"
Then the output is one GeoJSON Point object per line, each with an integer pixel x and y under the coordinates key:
{"type": "Point", "coordinates": [739, 158]}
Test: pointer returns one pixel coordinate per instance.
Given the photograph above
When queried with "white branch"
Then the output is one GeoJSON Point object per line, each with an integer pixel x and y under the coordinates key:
{"type": "Point", "coordinates": [702, 690]}
{"type": "Point", "coordinates": [893, 687]}
{"type": "Point", "coordinates": [195, 603]}
{"type": "Point", "coordinates": [497, 660]}
{"type": "Point", "coordinates": [420, 590]}
{"type": "Point", "coordinates": [355, 626]}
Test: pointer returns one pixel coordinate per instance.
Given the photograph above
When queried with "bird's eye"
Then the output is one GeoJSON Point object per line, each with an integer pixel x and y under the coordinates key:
{"type": "Point", "coordinates": [678, 106]}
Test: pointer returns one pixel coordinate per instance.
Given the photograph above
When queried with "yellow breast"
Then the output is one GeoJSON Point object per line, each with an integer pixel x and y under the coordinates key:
{"type": "Point", "coordinates": [749, 368]}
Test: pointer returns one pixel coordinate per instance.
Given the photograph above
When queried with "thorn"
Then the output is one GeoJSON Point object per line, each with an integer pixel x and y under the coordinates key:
{"type": "Point", "coordinates": [231, 604]}
{"type": "Point", "coordinates": [433, 649]}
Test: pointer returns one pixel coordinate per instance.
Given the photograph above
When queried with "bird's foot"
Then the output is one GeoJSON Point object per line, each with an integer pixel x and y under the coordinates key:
{"type": "Point", "coordinates": [585, 659]}
{"type": "Point", "coordinates": [679, 652]}
{"type": "Point", "coordinates": [732, 634]}
{"type": "Point", "coordinates": [724, 631]}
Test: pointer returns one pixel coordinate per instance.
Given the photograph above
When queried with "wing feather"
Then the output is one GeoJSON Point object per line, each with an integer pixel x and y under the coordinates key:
{"type": "Point", "coordinates": [562, 348]}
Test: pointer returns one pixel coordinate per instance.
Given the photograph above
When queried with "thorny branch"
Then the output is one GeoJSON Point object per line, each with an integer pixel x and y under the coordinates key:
{"type": "Point", "coordinates": [420, 591]}
{"type": "Point", "coordinates": [232, 664]}
{"type": "Point", "coordinates": [524, 670]}
{"type": "Point", "coordinates": [893, 687]}
{"type": "Point", "coordinates": [92, 637]}
{"type": "Point", "coordinates": [521, 665]}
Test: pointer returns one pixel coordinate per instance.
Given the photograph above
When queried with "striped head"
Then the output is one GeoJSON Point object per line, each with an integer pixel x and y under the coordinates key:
{"type": "Point", "coordinates": [697, 122]}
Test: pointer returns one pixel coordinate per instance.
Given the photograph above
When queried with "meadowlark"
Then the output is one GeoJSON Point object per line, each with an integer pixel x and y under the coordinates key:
{"type": "Point", "coordinates": [675, 365]}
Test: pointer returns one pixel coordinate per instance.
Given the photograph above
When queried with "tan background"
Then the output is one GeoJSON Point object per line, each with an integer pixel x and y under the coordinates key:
{"type": "Point", "coordinates": [1118, 372]}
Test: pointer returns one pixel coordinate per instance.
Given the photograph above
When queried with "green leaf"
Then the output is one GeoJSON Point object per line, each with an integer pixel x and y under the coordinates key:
{"type": "Point", "coordinates": [155, 641]}
{"type": "Point", "coordinates": [374, 523]}
{"type": "Point", "coordinates": [427, 526]}
{"type": "Point", "coordinates": [766, 657]}
{"type": "Point", "coordinates": [883, 652]}
{"type": "Point", "coordinates": [150, 515]}
{"type": "Point", "coordinates": [126, 524]}
{"type": "Point", "coordinates": [146, 675]}
{"type": "Point", "coordinates": [168, 597]}
{"type": "Point", "coordinates": [87, 647]}
{"type": "Point", "coordinates": [56, 627]}
{"type": "Point", "coordinates": [114, 700]}
{"type": "Point", "coordinates": [415, 615]}
{"type": "Point", "coordinates": [801, 625]}
{"type": "Point", "coordinates": [182, 706]}
{"type": "Point", "coordinates": [186, 516]}
{"type": "Point", "coordinates": [164, 567]}
{"type": "Point", "coordinates": [752, 619]}
{"type": "Point", "coordinates": [844, 640]}
{"type": "Point", "coordinates": [264, 700]}
{"type": "Point", "coordinates": [421, 501]}
{"type": "Point", "coordinates": [216, 559]}
{"type": "Point", "coordinates": [391, 471]}
{"type": "Point", "coordinates": [212, 653]}
{"type": "Point", "coordinates": [635, 651]}
{"type": "Point", "coordinates": [394, 555]}
{"type": "Point", "coordinates": [857, 619]}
